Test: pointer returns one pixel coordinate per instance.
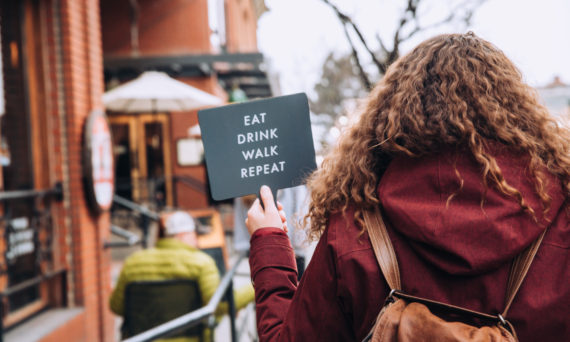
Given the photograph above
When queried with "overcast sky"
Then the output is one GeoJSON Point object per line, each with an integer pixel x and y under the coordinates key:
{"type": "Point", "coordinates": [296, 35]}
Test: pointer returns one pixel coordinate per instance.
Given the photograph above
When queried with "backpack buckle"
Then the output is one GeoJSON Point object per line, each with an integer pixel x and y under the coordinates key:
{"type": "Point", "coordinates": [502, 320]}
{"type": "Point", "coordinates": [390, 299]}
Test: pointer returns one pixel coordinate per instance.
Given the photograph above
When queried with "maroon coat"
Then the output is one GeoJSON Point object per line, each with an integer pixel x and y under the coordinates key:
{"type": "Point", "coordinates": [459, 254]}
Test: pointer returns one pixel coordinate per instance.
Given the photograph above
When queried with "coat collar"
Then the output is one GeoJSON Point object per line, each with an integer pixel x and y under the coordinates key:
{"type": "Point", "coordinates": [171, 243]}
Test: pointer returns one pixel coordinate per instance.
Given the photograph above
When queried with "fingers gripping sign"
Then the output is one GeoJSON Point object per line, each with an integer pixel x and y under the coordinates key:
{"type": "Point", "coordinates": [266, 216]}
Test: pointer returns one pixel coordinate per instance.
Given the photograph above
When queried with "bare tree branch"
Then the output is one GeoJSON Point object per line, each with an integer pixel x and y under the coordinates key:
{"type": "Point", "coordinates": [381, 66]}
{"type": "Point", "coordinates": [409, 13]}
{"type": "Point", "coordinates": [346, 20]}
{"type": "Point", "coordinates": [363, 76]}
{"type": "Point", "coordinates": [469, 15]}
{"type": "Point", "coordinates": [466, 18]}
{"type": "Point", "coordinates": [419, 28]}
{"type": "Point", "coordinates": [382, 46]}
{"type": "Point", "coordinates": [407, 27]}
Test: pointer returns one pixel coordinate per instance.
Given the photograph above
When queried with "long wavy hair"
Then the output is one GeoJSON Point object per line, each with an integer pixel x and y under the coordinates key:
{"type": "Point", "coordinates": [451, 90]}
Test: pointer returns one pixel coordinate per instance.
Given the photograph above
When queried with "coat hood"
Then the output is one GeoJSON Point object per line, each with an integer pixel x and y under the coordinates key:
{"type": "Point", "coordinates": [463, 236]}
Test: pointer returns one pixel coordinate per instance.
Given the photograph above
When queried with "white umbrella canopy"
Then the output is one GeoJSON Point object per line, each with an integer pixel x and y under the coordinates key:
{"type": "Point", "coordinates": [155, 91]}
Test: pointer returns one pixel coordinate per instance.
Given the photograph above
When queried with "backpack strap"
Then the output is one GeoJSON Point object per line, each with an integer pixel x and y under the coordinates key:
{"type": "Point", "coordinates": [388, 263]}
{"type": "Point", "coordinates": [519, 269]}
{"type": "Point", "coordinates": [383, 248]}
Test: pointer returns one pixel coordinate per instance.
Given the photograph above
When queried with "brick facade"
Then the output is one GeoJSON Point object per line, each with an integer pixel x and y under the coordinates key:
{"type": "Point", "coordinates": [83, 84]}
{"type": "Point", "coordinates": [52, 53]}
{"type": "Point", "coordinates": [67, 84]}
{"type": "Point", "coordinates": [241, 21]}
{"type": "Point", "coordinates": [165, 27]}
{"type": "Point", "coordinates": [173, 28]}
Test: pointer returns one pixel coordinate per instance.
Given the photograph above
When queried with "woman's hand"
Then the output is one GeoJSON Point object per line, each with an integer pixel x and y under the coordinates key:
{"type": "Point", "coordinates": [272, 216]}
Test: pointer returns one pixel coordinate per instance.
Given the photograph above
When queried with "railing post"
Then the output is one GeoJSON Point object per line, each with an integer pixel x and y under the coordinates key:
{"type": "Point", "coordinates": [145, 223]}
{"type": "Point", "coordinates": [174, 185]}
{"type": "Point", "coordinates": [1, 318]}
{"type": "Point", "coordinates": [232, 310]}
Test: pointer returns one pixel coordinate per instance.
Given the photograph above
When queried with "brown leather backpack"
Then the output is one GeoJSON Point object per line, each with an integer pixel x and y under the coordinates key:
{"type": "Point", "coordinates": [406, 318]}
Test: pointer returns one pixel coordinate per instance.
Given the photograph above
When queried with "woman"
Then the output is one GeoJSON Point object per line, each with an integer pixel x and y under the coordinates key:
{"type": "Point", "coordinates": [468, 168]}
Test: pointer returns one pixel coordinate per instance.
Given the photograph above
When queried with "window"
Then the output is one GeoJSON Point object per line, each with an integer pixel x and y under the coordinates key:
{"type": "Point", "coordinates": [217, 21]}
{"type": "Point", "coordinates": [30, 276]}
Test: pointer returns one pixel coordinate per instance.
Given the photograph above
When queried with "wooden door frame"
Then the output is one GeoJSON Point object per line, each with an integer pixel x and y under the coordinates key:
{"type": "Point", "coordinates": [164, 119]}
{"type": "Point", "coordinates": [32, 45]}
{"type": "Point", "coordinates": [136, 123]}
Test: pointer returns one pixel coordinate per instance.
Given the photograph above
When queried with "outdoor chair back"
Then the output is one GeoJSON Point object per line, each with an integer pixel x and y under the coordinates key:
{"type": "Point", "coordinates": [151, 303]}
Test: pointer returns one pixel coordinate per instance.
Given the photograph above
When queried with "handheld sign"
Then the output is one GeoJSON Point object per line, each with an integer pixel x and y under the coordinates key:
{"type": "Point", "coordinates": [258, 142]}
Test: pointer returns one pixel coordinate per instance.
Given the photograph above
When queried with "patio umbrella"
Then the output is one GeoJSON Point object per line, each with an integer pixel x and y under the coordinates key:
{"type": "Point", "coordinates": [155, 91]}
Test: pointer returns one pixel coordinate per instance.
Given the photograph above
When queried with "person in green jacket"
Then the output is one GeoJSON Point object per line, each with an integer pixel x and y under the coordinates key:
{"type": "Point", "coordinates": [176, 257]}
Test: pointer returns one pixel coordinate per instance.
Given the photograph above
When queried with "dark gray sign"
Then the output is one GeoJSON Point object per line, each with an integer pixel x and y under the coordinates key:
{"type": "Point", "coordinates": [257, 142]}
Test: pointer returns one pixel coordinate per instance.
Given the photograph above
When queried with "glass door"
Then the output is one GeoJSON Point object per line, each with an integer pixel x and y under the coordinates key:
{"type": "Point", "coordinates": [154, 156]}
{"type": "Point", "coordinates": [127, 170]}
{"type": "Point", "coordinates": [141, 144]}
{"type": "Point", "coordinates": [29, 256]}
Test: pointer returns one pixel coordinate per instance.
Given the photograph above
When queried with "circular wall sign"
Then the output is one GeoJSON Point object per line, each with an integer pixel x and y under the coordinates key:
{"type": "Point", "coordinates": [98, 162]}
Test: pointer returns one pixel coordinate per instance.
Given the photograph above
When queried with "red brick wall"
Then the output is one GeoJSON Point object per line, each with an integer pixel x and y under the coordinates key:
{"type": "Point", "coordinates": [180, 122]}
{"type": "Point", "coordinates": [55, 132]}
{"type": "Point", "coordinates": [71, 85]}
{"type": "Point", "coordinates": [81, 68]}
{"type": "Point", "coordinates": [175, 27]}
{"type": "Point", "coordinates": [165, 27]}
{"type": "Point", "coordinates": [55, 157]}
{"type": "Point", "coordinates": [241, 26]}
{"type": "Point", "coordinates": [83, 83]}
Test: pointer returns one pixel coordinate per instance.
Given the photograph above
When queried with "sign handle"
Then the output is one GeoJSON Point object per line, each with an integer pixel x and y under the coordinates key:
{"type": "Point", "coordinates": [273, 192]}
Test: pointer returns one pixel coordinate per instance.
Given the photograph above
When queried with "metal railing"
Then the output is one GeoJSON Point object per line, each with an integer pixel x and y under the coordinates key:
{"type": "Point", "coordinates": [131, 239]}
{"type": "Point", "coordinates": [56, 192]}
{"type": "Point", "coordinates": [141, 209]}
{"type": "Point", "coordinates": [140, 213]}
{"type": "Point", "coordinates": [195, 317]}
{"type": "Point", "coordinates": [143, 216]}
{"type": "Point", "coordinates": [192, 183]}
{"type": "Point", "coordinates": [148, 191]}
{"type": "Point", "coordinates": [152, 191]}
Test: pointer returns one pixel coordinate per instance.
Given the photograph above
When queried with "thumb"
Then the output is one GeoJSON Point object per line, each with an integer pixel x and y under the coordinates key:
{"type": "Point", "coordinates": [267, 198]}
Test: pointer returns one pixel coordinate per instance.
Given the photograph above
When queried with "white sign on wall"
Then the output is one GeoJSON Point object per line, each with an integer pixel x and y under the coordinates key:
{"type": "Point", "coordinates": [20, 239]}
{"type": "Point", "coordinates": [98, 162]}
{"type": "Point", "coordinates": [190, 151]}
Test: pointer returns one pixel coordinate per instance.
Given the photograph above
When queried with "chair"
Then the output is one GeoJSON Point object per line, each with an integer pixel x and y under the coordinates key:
{"type": "Point", "coordinates": [151, 303]}
{"type": "Point", "coordinates": [217, 253]}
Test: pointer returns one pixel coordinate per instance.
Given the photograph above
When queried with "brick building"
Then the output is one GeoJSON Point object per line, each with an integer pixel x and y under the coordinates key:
{"type": "Point", "coordinates": [57, 58]}
{"type": "Point", "coordinates": [54, 272]}
{"type": "Point", "coordinates": [208, 44]}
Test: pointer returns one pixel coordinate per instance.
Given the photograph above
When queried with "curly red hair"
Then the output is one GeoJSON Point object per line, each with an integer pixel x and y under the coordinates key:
{"type": "Point", "coordinates": [451, 90]}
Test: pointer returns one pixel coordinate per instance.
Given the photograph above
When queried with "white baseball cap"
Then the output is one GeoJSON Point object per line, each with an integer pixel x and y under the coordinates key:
{"type": "Point", "coordinates": [179, 222]}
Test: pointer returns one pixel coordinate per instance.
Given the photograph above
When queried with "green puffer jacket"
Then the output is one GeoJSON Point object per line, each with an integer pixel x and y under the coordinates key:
{"type": "Point", "coordinates": [173, 259]}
